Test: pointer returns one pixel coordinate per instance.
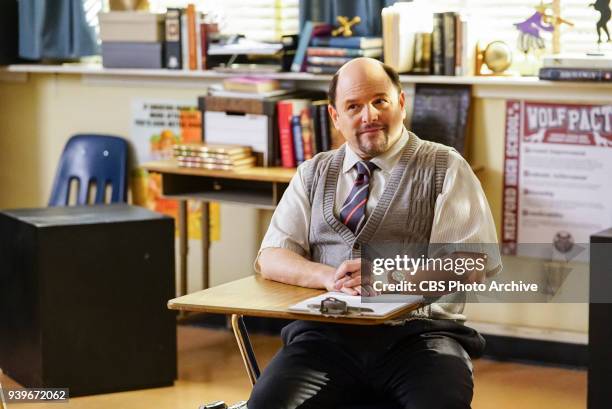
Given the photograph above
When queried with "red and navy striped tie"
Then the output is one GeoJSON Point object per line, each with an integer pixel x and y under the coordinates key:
{"type": "Point", "coordinates": [352, 212]}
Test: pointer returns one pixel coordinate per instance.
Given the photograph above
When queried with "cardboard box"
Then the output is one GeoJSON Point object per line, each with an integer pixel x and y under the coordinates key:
{"type": "Point", "coordinates": [132, 26]}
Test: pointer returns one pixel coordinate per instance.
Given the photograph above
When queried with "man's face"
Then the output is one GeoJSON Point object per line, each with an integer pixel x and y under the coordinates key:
{"type": "Point", "coordinates": [369, 110]}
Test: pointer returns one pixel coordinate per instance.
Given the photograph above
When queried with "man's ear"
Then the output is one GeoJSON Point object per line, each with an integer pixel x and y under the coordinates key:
{"type": "Point", "coordinates": [334, 115]}
{"type": "Point", "coordinates": [402, 102]}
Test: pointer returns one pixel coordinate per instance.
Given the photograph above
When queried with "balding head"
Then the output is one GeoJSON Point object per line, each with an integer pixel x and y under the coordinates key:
{"type": "Point", "coordinates": [359, 68]}
{"type": "Point", "coordinates": [367, 106]}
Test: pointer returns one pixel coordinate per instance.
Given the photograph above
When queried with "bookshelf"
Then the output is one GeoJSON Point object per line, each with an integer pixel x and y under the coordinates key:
{"type": "Point", "coordinates": [302, 76]}
{"type": "Point", "coordinates": [483, 87]}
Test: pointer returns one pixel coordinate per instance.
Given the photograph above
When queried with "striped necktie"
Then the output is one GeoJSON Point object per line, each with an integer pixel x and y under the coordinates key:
{"type": "Point", "coordinates": [352, 213]}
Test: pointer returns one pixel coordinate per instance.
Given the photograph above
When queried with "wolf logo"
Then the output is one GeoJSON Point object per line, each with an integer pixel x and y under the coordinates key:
{"type": "Point", "coordinates": [537, 137]}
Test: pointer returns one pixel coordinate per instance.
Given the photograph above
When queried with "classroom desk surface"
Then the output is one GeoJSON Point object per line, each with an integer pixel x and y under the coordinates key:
{"type": "Point", "coordinates": [256, 296]}
{"type": "Point", "coordinates": [274, 174]}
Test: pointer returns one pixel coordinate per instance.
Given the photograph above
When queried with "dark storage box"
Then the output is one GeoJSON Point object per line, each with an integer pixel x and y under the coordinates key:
{"type": "Point", "coordinates": [132, 55]}
{"type": "Point", "coordinates": [83, 293]}
{"type": "Point", "coordinates": [600, 324]}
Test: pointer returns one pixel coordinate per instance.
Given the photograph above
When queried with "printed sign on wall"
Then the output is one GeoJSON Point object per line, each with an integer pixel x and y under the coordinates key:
{"type": "Point", "coordinates": [557, 173]}
{"type": "Point", "coordinates": [156, 125]}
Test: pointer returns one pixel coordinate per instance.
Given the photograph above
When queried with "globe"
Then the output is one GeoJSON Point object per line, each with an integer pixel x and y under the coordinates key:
{"type": "Point", "coordinates": [497, 56]}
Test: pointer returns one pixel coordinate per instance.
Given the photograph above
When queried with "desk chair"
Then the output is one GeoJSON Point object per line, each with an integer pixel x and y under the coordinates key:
{"type": "Point", "coordinates": [94, 162]}
{"type": "Point", "coordinates": [252, 367]}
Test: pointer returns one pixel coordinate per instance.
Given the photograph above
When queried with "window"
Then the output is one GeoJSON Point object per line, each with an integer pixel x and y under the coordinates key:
{"type": "Point", "coordinates": [264, 20]}
{"type": "Point", "coordinates": [494, 20]}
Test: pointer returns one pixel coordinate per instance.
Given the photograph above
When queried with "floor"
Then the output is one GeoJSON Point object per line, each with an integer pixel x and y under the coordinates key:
{"type": "Point", "coordinates": [210, 369]}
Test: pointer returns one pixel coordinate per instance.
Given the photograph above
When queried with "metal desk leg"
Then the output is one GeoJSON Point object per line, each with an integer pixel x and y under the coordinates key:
{"type": "Point", "coordinates": [183, 245]}
{"type": "Point", "coordinates": [245, 347]}
{"type": "Point", "coordinates": [205, 245]}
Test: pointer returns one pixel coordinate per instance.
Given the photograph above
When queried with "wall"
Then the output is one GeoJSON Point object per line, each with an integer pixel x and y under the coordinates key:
{"type": "Point", "coordinates": [39, 114]}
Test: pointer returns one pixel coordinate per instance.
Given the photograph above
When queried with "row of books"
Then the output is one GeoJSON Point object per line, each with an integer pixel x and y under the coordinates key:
{"type": "Point", "coordinates": [135, 39]}
{"type": "Point", "coordinates": [418, 41]}
{"type": "Point", "coordinates": [213, 156]}
{"type": "Point", "coordinates": [449, 46]}
{"type": "Point", "coordinates": [577, 67]}
{"type": "Point", "coordinates": [304, 129]}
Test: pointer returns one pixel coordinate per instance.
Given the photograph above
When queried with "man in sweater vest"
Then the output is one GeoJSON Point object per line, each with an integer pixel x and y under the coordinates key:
{"type": "Point", "coordinates": [383, 185]}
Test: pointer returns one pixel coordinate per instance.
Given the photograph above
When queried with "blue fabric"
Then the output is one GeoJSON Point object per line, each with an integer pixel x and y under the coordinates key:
{"type": "Point", "coordinates": [92, 158]}
{"type": "Point", "coordinates": [326, 11]}
{"type": "Point", "coordinates": [54, 29]}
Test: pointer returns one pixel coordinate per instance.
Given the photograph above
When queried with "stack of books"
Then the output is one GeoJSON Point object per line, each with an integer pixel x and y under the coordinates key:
{"type": "Point", "coordinates": [248, 87]}
{"type": "Point", "coordinates": [326, 54]}
{"type": "Point", "coordinates": [208, 156]}
{"type": "Point", "coordinates": [320, 53]}
{"type": "Point", "coordinates": [577, 67]}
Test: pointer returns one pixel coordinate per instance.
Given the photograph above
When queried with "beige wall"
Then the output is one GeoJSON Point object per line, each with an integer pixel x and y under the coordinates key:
{"type": "Point", "coordinates": [39, 115]}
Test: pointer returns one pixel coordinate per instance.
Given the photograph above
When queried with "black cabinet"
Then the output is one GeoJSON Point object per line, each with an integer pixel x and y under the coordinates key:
{"type": "Point", "coordinates": [600, 322]}
{"type": "Point", "coordinates": [83, 294]}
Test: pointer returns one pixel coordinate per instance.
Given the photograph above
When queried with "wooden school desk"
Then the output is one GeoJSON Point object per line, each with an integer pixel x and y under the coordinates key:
{"type": "Point", "coordinates": [259, 187]}
{"type": "Point", "coordinates": [258, 297]}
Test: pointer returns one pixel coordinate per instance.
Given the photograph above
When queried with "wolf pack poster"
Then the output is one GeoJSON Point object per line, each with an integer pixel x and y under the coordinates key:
{"type": "Point", "coordinates": [557, 169]}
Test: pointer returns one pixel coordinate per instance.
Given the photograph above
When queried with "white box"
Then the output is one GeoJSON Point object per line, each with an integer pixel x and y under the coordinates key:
{"type": "Point", "coordinates": [132, 26]}
{"type": "Point", "coordinates": [243, 129]}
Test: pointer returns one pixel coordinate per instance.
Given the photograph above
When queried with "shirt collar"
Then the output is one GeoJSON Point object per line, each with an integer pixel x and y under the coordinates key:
{"type": "Point", "coordinates": [385, 161]}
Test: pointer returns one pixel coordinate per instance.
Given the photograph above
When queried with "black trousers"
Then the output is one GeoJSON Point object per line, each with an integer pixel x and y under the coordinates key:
{"type": "Point", "coordinates": [422, 364]}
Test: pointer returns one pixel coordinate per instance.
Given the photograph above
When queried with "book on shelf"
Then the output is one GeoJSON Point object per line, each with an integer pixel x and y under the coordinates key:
{"type": "Point", "coordinates": [324, 124]}
{"type": "Point", "coordinates": [251, 84]}
{"type": "Point", "coordinates": [298, 141]}
{"type": "Point", "coordinates": [461, 46]}
{"type": "Point", "coordinates": [400, 22]}
{"type": "Point", "coordinates": [213, 163]}
{"type": "Point", "coordinates": [310, 30]}
{"type": "Point", "coordinates": [212, 150]}
{"type": "Point", "coordinates": [575, 74]}
{"type": "Point", "coordinates": [217, 90]}
{"type": "Point", "coordinates": [437, 44]}
{"type": "Point", "coordinates": [422, 54]}
{"type": "Point", "coordinates": [308, 139]}
{"type": "Point", "coordinates": [348, 42]}
{"type": "Point", "coordinates": [450, 40]}
{"type": "Point", "coordinates": [324, 60]}
{"type": "Point", "coordinates": [213, 156]}
{"type": "Point", "coordinates": [321, 69]}
{"type": "Point", "coordinates": [578, 61]}
{"type": "Point", "coordinates": [284, 110]}
{"type": "Point", "coordinates": [184, 41]}
{"type": "Point", "coordinates": [344, 52]}
{"type": "Point", "coordinates": [173, 54]}
{"type": "Point", "coordinates": [192, 37]}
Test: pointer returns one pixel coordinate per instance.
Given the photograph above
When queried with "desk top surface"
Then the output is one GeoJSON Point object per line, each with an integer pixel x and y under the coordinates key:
{"type": "Point", "coordinates": [272, 174]}
{"type": "Point", "coordinates": [256, 296]}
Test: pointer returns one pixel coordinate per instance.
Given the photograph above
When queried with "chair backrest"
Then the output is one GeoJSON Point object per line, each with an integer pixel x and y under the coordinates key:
{"type": "Point", "coordinates": [94, 161]}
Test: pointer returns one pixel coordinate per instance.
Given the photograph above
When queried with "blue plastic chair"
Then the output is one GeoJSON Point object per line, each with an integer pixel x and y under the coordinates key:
{"type": "Point", "coordinates": [99, 160]}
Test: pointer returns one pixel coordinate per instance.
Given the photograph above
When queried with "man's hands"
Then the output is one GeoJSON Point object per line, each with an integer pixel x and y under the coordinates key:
{"type": "Point", "coordinates": [347, 279]}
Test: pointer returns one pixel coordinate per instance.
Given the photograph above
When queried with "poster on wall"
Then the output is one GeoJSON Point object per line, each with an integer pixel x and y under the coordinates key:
{"type": "Point", "coordinates": [557, 174]}
{"type": "Point", "coordinates": [156, 125]}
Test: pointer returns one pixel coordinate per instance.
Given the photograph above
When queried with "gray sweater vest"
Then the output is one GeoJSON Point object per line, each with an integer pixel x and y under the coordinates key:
{"type": "Point", "coordinates": [404, 213]}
